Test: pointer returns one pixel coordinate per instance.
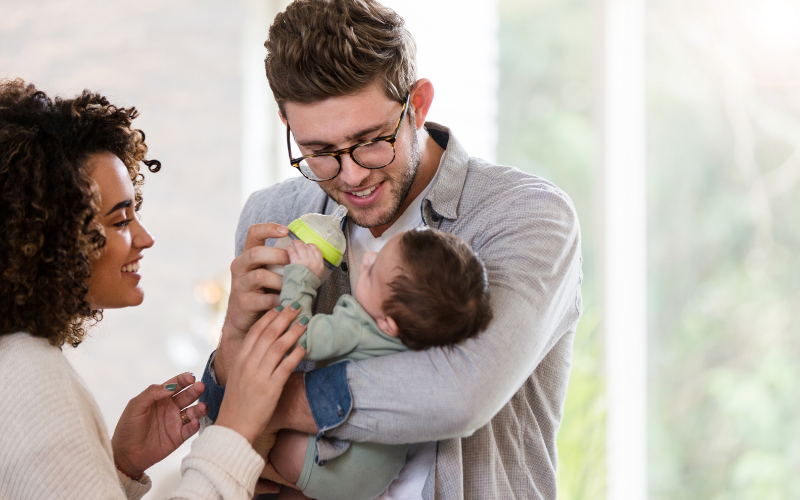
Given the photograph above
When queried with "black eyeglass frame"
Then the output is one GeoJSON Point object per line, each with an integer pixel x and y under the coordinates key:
{"type": "Point", "coordinates": [391, 139]}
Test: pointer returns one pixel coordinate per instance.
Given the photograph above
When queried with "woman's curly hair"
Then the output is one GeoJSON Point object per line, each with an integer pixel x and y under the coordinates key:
{"type": "Point", "coordinates": [49, 203]}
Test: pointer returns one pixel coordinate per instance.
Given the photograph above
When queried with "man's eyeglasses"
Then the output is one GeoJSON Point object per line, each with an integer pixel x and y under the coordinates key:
{"type": "Point", "coordinates": [372, 154]}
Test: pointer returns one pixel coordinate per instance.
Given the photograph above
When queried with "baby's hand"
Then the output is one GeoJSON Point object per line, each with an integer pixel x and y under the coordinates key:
{"type": "Point", "coordinates": [306, 255]}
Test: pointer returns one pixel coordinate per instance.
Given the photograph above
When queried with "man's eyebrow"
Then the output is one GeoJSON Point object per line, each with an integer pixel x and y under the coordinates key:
{"type": "Point", "coordinates": [120, 205]}
{"type": "Point", "coordinates": [353, 137]}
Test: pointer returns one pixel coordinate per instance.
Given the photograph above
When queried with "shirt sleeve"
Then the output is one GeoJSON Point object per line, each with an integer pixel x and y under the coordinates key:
{"type": "Point", "coordinates": [533, 266]}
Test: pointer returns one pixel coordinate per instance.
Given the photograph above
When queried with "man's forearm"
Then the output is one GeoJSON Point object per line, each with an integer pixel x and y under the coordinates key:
{"type": "Point", "coordinates": [293, 411]}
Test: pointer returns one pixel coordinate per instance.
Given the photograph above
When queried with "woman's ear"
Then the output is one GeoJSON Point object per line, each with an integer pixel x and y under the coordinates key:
{"type": "Point", "coordinates": [388, 326]}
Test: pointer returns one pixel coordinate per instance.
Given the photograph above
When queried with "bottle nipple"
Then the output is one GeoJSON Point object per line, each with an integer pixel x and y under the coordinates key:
{"type": "Point", "coordinates": [339, 213]}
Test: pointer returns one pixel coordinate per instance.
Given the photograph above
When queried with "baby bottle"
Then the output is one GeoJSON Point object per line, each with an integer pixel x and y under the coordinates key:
{"type": "Point", "coordinates": [324, 231]}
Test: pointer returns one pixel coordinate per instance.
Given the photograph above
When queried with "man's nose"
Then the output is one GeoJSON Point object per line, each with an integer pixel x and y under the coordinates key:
{"type": "Point", "coordinates": [352, 173]}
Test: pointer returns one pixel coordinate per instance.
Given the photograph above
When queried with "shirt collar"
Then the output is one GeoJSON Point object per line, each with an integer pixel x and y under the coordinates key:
{"type": "Point", "coordinates": [445, 194]}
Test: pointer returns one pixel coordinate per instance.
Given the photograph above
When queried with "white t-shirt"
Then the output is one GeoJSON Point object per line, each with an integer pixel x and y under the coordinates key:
{"type": "Point", "coordinates": [421, 456]}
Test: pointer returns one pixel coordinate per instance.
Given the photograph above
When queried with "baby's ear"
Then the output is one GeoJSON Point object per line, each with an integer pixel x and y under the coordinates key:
{"type": "Point", "coordinates": [388, 326]}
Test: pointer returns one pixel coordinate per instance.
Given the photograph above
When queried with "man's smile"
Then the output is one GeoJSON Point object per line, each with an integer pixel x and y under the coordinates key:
{"type": "Point", "coordinates": [365, 197]}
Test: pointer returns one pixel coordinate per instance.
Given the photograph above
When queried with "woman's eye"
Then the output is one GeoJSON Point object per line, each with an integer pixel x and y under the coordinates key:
{"type": "Point", "coordinates": [123, 223]}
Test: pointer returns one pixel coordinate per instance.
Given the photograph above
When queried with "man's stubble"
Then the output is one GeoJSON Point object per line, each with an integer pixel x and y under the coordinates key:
{"type": "Point", "coordinates": [401, 186]}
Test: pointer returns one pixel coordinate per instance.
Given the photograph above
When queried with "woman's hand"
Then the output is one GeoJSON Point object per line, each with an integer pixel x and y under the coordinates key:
{"type": "Point", "coordinates": [259, 373]}
{"type": "Point", "coordinates": [156, 422]}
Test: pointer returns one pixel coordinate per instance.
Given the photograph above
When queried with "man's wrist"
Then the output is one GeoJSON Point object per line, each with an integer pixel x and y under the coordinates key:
{"type": "Point", "coordinates": [221, 362]}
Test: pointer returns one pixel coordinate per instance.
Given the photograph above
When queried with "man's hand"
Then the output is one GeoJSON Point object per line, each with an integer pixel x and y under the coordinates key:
{"type": "Point", "coordinates": [254, 290]}
{"type": "Point", "coordinates": [306, 255]}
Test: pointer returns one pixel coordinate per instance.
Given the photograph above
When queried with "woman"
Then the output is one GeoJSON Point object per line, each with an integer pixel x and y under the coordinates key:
{"type": "Point", "coordinates": [70, 247]}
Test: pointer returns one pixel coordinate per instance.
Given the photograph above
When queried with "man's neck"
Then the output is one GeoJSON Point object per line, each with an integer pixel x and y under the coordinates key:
{"type": "Point", "coordinates": [430, 156]}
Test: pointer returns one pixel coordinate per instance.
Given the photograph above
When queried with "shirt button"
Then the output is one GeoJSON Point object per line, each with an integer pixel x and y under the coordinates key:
{"type": "Point", "coordinates": [341, 412]}
{"type": "Point", "coordinates": [322, 463]}
{"type": "Point", "coordinates": [436, 217]}
{"type": "Point", "coordinates": [344, 266]}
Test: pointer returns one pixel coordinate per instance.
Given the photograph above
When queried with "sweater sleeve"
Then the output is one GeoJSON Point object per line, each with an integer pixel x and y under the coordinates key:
{"type": "Point", "coordinates": [53, 443]}
{"type": "Point", "coordinates": [221, 465]}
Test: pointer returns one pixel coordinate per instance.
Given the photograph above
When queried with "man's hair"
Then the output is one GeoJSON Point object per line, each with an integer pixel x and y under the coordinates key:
{"type": "Point", "coordinates": [48, 204]}
{"type": "Point", "coordinates": [442, 294]}
{"type": "Point", "coordinates": [329, 48]}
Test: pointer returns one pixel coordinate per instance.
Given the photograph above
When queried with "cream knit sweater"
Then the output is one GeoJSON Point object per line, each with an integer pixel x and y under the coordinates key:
{"type": "Point", "coordinates": [55, 445]}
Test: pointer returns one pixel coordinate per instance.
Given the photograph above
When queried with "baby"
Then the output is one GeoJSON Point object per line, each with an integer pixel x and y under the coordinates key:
{"type": "Point", "coordinates": [425, 288]}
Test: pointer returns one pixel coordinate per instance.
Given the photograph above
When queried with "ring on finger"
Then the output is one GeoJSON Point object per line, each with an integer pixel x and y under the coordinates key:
{"type": "Point", "coordinates": [184, 417]}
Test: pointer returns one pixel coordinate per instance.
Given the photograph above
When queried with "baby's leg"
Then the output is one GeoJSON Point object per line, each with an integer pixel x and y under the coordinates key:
{"type": "Point", "coordinates": [288, 456]}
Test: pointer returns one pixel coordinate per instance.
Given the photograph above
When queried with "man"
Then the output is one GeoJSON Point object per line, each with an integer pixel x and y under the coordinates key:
{"type": "Point", "coordinates": [483, 415]}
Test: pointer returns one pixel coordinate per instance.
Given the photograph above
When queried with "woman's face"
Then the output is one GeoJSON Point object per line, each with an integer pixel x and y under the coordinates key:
{"type": "Point", "coordinates": [115, 275]}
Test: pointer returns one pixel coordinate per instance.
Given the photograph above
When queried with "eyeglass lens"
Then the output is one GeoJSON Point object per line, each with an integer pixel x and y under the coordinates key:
{"type": "Point", "coordinates": [373, 155]}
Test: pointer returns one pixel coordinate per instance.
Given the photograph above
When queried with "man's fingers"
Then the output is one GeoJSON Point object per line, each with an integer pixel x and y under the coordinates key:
{"type": "Point", "coordinates": [260, 278]}
{"type": "Point", "coordinates": [258, 257]}
{"type": "Point", "coordinates": [257, 234]}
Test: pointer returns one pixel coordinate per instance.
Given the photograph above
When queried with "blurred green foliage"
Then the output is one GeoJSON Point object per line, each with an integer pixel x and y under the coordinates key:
{"type": "Point", "coordinates": [548, 77]}
{"type": "Point", "coordinates": [723, 146]}
{"type": "Point", "coordinates": [723, 266]}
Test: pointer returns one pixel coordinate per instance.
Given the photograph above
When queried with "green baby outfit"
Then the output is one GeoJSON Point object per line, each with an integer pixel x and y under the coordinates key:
{"type": "Point", "coordinates": [349, 333]}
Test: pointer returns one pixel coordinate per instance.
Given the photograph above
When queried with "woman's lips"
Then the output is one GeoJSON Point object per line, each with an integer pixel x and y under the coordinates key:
{"type": "Point", "coordinates": [131, 268]}
{"type": "Point", "coordinates": [365, 201]}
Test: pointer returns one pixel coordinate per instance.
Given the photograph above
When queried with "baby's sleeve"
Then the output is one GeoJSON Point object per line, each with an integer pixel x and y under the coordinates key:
{"type": "Point", "coordinates": [336, 334]}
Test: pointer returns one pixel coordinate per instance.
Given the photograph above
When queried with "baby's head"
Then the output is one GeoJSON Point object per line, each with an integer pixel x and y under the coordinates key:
{"type": "Point", "coordinates": [426, 287]}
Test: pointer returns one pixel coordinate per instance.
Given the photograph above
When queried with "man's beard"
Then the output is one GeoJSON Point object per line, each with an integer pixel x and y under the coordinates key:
{"type": "Point", "coordinates": [402, 187]}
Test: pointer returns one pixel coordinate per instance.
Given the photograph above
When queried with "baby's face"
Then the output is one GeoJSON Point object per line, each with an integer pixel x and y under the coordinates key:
{"type": "Point", "coordinates": [376, 272]}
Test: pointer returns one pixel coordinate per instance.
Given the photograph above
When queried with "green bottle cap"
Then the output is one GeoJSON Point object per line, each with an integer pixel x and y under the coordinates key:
{"type": "Point", "coordinates": [308, 235]}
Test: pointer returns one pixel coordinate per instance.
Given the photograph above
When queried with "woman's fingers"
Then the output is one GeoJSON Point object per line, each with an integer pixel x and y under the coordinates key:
{"type": "Point", "coordinates": [273, 330]}
{"type": "Point", "coordinates": [196, 412]}
{"type": "Point", "coordinates": [190, 429]}
{"type": "Point", "coordinates": [189, 396]}
{"type": "Point", "coordinates": [287, 365]}
{"type": "Point", "coordinates": [278, 349]}
{"type": "Point", "coordinates": [256, 330]}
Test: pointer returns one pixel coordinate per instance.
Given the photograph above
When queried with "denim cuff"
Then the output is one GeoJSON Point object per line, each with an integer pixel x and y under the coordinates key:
{"type": "Point", "coordinates": [328, 395]}
{"type": "Point", "coordinates": [213, 394]}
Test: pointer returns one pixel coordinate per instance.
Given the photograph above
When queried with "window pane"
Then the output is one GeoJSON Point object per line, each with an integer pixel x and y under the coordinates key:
{"type": "Point", "coordinates": [724, 306]}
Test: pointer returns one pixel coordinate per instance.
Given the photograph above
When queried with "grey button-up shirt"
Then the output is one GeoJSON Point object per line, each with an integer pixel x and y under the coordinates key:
{"type": "Point", "coordinates": [494, 403]}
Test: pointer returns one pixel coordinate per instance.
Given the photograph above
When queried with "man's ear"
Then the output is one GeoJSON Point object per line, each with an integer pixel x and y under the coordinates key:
{"type": "Point", "coordinates": [280, 115]}
{"type": "Point", "coordinates": [421, 99]}
{"type": "Point", "coordinates": [388, 326]}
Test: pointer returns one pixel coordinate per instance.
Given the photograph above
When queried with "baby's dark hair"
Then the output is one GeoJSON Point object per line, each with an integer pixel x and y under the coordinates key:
{"type": "Point", "coordinates": [442, 295]}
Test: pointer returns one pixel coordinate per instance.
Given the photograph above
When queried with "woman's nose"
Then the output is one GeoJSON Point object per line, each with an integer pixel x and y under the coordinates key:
{"type": "Point", "coordinates": [141, 237]}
